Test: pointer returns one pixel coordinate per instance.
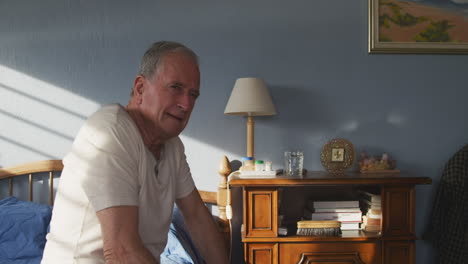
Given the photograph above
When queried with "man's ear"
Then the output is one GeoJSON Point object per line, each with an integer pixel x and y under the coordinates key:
{"type": "Point", "coordinates": [138, 87]}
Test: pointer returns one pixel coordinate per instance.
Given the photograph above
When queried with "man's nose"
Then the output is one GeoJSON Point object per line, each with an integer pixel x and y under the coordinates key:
{"type": "Point", "coordinates": [185, 102]}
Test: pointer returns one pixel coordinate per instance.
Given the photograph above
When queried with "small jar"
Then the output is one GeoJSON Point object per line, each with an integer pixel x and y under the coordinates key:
{"type": "Point", "coordinates": [259, 165]}
{"type": "Point", "coordinates": [247, 164]}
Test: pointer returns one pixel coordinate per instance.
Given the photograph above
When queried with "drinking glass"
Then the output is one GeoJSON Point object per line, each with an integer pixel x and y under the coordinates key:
{"type": "Point", "coordinates": [293, 162]}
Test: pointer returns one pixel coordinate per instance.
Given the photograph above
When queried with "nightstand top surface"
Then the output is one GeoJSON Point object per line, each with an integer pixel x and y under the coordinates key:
{"type": "Point", "coordinates": [326, 178]}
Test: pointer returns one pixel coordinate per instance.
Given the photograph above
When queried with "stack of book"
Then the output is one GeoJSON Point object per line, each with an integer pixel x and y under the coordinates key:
{"type": "Point", "coordinates": [371, 204]}
{"type": "Point", "coordinates": [347, 212]}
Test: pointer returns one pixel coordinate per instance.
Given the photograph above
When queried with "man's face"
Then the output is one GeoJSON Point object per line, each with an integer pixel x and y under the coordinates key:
{"type": "Point", "coordinates": [169, 96]}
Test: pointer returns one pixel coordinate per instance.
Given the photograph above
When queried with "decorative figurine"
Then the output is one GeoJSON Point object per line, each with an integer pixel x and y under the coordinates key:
{"type": "Point", "coordinates": [372, 164]}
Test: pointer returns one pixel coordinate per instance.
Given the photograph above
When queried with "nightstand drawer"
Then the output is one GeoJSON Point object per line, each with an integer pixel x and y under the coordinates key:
{"type": "Point", "coordinates": [261, 212]}
{"type": "Point", "coordinates": [355, 253]}
{"type": "Point", "coordinates": [261, 253]}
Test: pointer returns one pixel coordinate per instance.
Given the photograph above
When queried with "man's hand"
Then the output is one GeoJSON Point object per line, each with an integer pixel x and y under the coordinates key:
{"type": "Point", "coordinates": [203, 229]}
{"type": "Point", "coordinates": [122, 242]}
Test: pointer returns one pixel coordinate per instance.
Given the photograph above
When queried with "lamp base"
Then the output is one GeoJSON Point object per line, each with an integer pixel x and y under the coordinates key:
{"type": "Point", "coordinates": [250, 136]}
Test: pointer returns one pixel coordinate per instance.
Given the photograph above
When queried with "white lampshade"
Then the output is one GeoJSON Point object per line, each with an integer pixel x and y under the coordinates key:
{"type": "Point", "coordinates": [250, 97]}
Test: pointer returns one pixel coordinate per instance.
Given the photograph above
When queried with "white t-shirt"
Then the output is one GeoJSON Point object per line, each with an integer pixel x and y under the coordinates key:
{"type": "Point", "coordinates": [110, 166]}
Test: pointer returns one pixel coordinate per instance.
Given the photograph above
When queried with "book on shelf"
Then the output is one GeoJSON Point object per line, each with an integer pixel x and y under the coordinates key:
{"type": "Point", "coordinates": [370, 196]}
{"type": "Point", "coordinates": [334, 204]}
{"type": "Point", "coordinates": [371, 203]}
{"type": "Point", "coordinates": [370, 228]}
{"type": "Point", "coordinates": [374, 211]}
{"type": "Point", "coordinates": [350, 225]}
{"type": "Point", "coordinates": [377, 216]}
{"type": "Point", "coordinates": [372, 208]}
{"type": "Point", "coordinates": [338, 210]}
{"type": "Point", "coordinates": [367, 206]}
{"type": "Point", "coordinates": [333, 212]}
{"type": "Point", "coordinates": [371, 221]}
{"type": "Point", "coordinates": [343, 217]}
{"type": "Point", "coordinates": [351, 233]}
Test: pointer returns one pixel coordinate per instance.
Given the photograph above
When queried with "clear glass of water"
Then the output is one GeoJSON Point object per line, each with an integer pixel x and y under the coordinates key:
{"type": "Point", "coordinates": [293, 162]}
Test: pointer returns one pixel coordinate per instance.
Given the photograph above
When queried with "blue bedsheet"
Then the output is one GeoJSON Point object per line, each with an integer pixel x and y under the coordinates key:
{"type": "Point", "coordinates": [175, 251]}
{"type": "Point", "coordinates": [180, 247]}
{"type": "Point", "coordinates": [24, 225]}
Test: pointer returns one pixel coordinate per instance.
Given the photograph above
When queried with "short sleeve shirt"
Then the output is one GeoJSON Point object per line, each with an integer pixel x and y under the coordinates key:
{"type": "Point", "coordinates": [110, 166]}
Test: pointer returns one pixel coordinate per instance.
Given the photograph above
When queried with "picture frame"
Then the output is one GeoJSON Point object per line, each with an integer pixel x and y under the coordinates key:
{"type": "Point", "coordinates": [397, 26]}
{"type": "Point", "coordinates": [337, 155]}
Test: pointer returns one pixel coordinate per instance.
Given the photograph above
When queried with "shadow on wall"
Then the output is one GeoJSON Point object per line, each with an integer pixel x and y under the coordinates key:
{"type": "Point", "coordinates": [300, 108]}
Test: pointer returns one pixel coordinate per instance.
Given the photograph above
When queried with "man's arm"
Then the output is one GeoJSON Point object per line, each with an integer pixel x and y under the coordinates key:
{"type": "Point", "coordinates": [203, 229]}
{"type": "Point", "coordinates": [122, 242]}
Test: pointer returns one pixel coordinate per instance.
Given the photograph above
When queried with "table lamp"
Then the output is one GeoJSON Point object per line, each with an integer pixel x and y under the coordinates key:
{"type": "Point", "coordinates": [250, 97]}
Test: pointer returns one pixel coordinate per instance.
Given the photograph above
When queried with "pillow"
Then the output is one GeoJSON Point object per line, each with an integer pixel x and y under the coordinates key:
{"type": "Point", "coordinates": [23, 229]}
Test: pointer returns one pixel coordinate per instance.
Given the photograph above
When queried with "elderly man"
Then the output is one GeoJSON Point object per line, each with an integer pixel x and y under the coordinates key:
{"type": "Point", "coordinates": [126, 169]}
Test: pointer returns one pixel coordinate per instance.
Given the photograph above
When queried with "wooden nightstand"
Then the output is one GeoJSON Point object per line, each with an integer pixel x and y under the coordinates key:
{"type": "Point", "coordinates": [395, 243]}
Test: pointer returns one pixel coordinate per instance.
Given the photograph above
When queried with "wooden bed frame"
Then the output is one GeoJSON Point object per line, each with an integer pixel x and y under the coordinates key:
{"type": "Point", "coordinates": [219, 198]}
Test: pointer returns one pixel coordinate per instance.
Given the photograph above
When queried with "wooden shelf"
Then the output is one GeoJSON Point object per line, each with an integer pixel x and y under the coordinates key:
{"type": "Point", "coordinates": [356, 235]}
{"type": "Point", "coordinates": [348, 238]}
{"type": "Point", "coordinates": [264, 198]}
{"type": "Point", "coordinates": [325, 178]}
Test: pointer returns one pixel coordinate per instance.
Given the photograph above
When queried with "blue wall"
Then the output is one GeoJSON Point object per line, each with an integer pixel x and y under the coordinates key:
{"type": "Point", "coordinates": [62, 59]}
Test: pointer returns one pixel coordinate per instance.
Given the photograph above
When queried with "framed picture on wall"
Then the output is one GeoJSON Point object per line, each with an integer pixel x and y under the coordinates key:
{"type": "Point", "coordinates": [418, 26]}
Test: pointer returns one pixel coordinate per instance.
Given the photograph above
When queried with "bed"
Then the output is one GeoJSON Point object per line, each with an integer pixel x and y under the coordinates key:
{"type": "Point", "coordinates": [24, 224]}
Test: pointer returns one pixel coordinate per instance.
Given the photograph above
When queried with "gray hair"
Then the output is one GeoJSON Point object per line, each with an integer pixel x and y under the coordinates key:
{"type": "Point", "coordinates": [154, 56]}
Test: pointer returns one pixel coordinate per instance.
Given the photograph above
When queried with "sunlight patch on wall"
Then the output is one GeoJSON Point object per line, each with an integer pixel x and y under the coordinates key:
{"type": "Point", "coordinates": [350, 126]}
{"type": "Point", "coordinates": [396, 119]}
{"type": "Point", "coordinates": [38, 120]}
{"type": "Point", "coordinates": [198, 153]}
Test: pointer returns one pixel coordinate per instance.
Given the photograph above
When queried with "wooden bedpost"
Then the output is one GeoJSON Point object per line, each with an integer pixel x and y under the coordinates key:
{"type": "Point", "coordinates": [222, 197]}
